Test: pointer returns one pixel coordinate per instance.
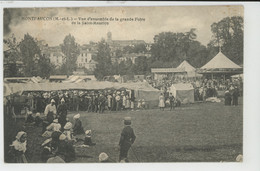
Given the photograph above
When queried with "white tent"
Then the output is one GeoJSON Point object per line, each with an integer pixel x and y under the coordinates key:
{"type": "Point", "coordinates": [220, 61]}
{"type": "Point", "coordinates": [191, 71]}
{"type": "Point", "coordinates": [183, 91]}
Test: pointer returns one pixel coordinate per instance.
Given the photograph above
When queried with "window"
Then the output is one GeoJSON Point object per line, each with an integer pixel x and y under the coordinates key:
{"type": "Point", "coordinates": [82, 54]}
{"type": "Point", "coordinates": [81, 59]}
{"type": "Point", "coordinates": [86, 59]}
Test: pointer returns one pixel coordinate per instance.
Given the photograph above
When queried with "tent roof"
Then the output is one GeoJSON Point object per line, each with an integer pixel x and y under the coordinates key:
{"type": "Point", "coordinates": [186, 66]}
{"type": "Point", "coordinates": [220, 61]}
{"type": "Point", "coordinates": [11, 88]}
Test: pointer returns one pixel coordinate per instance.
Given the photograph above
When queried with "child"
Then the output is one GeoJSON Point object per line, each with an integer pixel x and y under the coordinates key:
{"type": "Point", "coordinates": [88, 140]}
{"type": "Point", "coordinates": [38, 119]}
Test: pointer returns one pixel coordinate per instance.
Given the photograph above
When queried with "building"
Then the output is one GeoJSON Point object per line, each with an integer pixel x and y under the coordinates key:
{"type": "Point", "coordinates": [55, 55]}
{"type": "Point", "coordinates": [85, 59]}
{"type": "Point", "coordinates": [120, 44]}
{"type": "Point", "coordinates": [167, 73]}
{"type": "Point", "coordinates": [131, 56]}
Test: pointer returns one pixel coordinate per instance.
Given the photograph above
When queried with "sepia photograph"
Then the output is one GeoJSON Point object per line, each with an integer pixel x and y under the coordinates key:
{"type": "Point", "coordinates": [140, 84]}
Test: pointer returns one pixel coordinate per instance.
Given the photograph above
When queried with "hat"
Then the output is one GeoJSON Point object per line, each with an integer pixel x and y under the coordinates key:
{"type": "Point", "coordinates": [239, 158]}
{"type": "Point", "coordinates": [103, 157]}
{"type": "Point", "coordinates": [62, 137]}
{"type": "Point", "coordinates": [77, 116]}
{"type": "Point", "coordinates": [52, 101]}
{"type": "Point", "coordinates": [55, 120]}
{"type": "Point", "coordinates": [127, 120]}
{"type": "Point", "coordinates": [62, 100]}
{"type": "Point", "coordinates": [56, 159]}
{"type": "Point", "coordinates": [68, 125]}
{"type": "Point", "coordinates": [20, 134]}
{"type": "Point", "coordinates": [38, 114]}
{"type": "Point", "coordinates": [88, 132]}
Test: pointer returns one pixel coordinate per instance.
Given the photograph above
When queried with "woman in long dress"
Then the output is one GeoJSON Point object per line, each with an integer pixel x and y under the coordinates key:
{"type": "Point", "coordinates": [18, 148]}
{"type": "Point", "coordinates": [161, 102]}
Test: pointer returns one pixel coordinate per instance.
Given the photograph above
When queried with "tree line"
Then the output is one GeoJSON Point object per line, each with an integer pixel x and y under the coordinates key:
{"type": "Point", "coordinates": [169, 49]}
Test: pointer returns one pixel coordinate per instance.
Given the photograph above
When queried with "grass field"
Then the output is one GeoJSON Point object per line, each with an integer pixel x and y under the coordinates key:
{"type": "Point", "coordinates": [201, 132]}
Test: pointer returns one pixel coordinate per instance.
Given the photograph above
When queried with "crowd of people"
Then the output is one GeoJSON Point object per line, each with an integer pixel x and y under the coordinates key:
{"type": "Point", "coordinates": [203, 88]}
{"type": "Point", "coordinates": [91, 101]}
{"type": "Point", "coordinates": [62, 137]}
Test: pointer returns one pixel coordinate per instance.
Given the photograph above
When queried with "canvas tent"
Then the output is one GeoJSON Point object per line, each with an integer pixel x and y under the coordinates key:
{"type": "Point", "coordinates": [220, 66]}
{"type": "Point", "coordinates": [220, 61]}
{"type": "Point", "coordinates": [191, 71]}
{"type": "Point", "coordinates": [183, 91]}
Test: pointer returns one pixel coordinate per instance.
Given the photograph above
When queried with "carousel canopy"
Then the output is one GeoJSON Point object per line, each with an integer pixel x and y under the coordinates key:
{"type": "Point", "coordinates": [220, 61]}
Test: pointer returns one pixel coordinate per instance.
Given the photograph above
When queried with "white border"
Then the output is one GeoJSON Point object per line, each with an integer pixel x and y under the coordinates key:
{"type": "Point", "coordinates": [251, 93]}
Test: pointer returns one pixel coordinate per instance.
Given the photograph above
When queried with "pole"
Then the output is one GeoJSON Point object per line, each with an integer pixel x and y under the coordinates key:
{"type": "Point", "coordinates": [134, 154]}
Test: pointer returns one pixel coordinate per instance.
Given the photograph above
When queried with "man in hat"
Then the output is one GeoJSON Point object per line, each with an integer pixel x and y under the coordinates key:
{"type": "Point", "coordinates": [62, 113]}
{"type": "Point", "coordinates": [50, 111]}
{"type": "Point", "coordinates": [127, 139]}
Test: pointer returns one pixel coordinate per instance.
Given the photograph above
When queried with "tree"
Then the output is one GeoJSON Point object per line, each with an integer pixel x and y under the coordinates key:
{"type": "Point", "coordinates": [71, 51]}
{"type": "Point", "coordinates": [30, 53]}
{"type": "Point", "coordinates": [103, 58]}
{"type": "Point", "coordinates": [12, 56]}
{"type": "Point", "coordinates": [170, 49]}
{"type": "Point", "coordinates": [141, 66]}
{"type": "Point", "coordinates": [228, 34]}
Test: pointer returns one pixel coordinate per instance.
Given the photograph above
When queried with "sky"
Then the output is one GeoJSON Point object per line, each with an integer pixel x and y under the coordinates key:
{"type": "Point", "coordinates": [157, 19]}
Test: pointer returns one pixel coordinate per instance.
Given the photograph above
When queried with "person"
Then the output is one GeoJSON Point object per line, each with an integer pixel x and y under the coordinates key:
{"type": "Point", "coordinates": [118, 98]}
{"type": "Point", "coordinates": [132, 101]}
{"type": "Point", "coordinates": [30, 118]}
{"type": "Point", "coordinates": [55, 126]}
{"type": "Point", "coordinates": [109, 101]}
{"type": "Point", "coordinates": [62, 113]}
{"type": "Point", "coordinates": [56, 159]}
{"type": "Point", "coordinates": [113, 102]}
{"type": "Point", "coordinates": [68, 131]}
{"type": "Point", "coordinates": [123, 101]}
{"type": "Point", "coordinates": [103, 158]}
{"type": "Point", "coordinates": [128, 103]}
{"type": "Point", "coordinates": [77, 128]}
{"type": "Point", "coordinates": [235, 96]}
{"type": "Point", "coordinates": [161, 102]}
{"type": "Point", "coordinates": [172, 99]}
{"type": "Point", "coordinates": [127, 138]}
{"type": "Point", "coordinates": [102, 102]}
{"type": "Point", "coordinates": [139, 104]}
{"type": "Point", "coordinates": [66, 149]}
{"type": "Point", "coordinates": [50, 111]}
{"type": "Point", "coordinates": [88, 140]}
{"type": "Point", "coordinates": [228, 98]}
{"type": "Point", "coordinates": [18, 148]}
{"type": "Point", "coordinates": [38, 119]}
{"type": "Point", "coordinates": [96, 103]}
{"type": "Point", "coordinates": [50, 146]}
{"type": "Point", "coordinates": [143, 104]}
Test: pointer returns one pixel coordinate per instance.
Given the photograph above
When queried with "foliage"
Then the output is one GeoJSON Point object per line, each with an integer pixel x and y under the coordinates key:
{"type": "Point", "coordinates": [138, 48]}
{"type": "Point", "coordinates": [103, 57]}
{"type": "Point", "coordinates": [71, 51]}
{"type": "Point", "coordinates": [11, 56]}
{"type": "Point", "coordinates": [35, 64]}
{"type": "Point", "coordinates": [170, 49]}
{"type": "Point", "coordinates": [228, 33]}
